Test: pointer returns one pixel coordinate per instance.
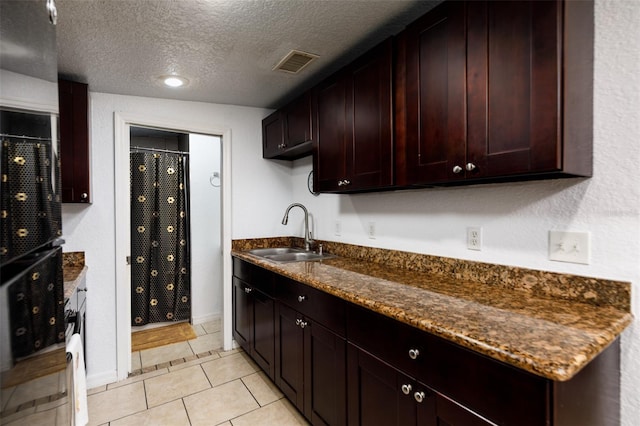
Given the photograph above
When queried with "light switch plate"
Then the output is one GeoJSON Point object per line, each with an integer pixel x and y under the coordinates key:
{"type": "Point", "coordinates": [572, 247]}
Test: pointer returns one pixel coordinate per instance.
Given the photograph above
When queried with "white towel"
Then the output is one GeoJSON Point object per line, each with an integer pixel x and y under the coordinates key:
{"type": "Point", "coordinates": [81, 410]}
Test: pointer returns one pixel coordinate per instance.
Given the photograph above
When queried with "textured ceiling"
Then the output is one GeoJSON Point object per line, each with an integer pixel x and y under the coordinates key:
{"type": "Point", "coordinates": [226, 48]}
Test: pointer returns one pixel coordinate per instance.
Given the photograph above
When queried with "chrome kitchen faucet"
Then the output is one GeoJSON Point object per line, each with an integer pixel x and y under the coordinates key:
{"type": "Point", "coordinates": [308, 237]}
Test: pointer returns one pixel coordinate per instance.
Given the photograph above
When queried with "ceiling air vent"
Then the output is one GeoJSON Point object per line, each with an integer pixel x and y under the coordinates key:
{"type": "Point", "coordinates": [295, 61]}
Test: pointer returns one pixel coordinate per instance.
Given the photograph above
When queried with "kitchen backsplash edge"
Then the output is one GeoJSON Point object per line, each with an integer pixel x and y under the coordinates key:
{"type": "Point", "coordinates": [594, 291]}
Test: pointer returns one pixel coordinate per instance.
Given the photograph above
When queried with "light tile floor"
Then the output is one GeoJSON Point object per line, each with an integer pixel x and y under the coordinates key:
{"type": "Point", "coordinates": [191, 383]}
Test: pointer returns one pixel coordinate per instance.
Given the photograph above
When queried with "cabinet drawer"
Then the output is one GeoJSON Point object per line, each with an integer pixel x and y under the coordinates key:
{"type": "Point", "coordinates": [388, 340]}
{"type": "Point", "coordinates": [317, 305]}
{"type": "Point", "coordinates": [483, 385]}
{"type": "Point", "coordinates": [258, 277]}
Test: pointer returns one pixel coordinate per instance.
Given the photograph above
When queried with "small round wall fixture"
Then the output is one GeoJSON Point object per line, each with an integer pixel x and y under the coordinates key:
{"type": "Point", "coordinates": [310, 184]}
{"type": "Point", "coordinates": [173, 81]}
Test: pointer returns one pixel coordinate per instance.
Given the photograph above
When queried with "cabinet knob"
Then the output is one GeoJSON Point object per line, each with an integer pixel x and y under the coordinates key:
{"type": "Point", "coordinates": [346, 182]}
{"type": "Point", "coordinates": [419, 396]}
{"type": "Point", "coordinates": [84, 195]}
{"type": "Point", "coordinates": [248, 290]}
{"type": "Point", "coordinates": [413, 353]}
{"type": "Point", "coordinates": [302, 298]}
{"type": "Point", "coordinates": [406, 389]}
{"type": "Point", "coordinates": [470, 167]}
{"type": "Point", "coordinates": [298, 321]}
{"type": "Point", "coordinates": [457, 169]}
{"type": "Point", "coordinates": [340, 183]}
{"type": "Point", "coordinates": [303, 324]}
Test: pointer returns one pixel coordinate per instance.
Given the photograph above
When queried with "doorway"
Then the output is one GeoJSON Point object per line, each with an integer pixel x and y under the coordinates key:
{"type": "Point", "coordinates": [219, 179]}
{"type": "Point", "coordinates": [161, 290]}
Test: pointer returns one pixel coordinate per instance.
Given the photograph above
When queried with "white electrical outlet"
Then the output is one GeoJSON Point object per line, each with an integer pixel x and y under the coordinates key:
{"type": "Point", "coordinates": [372, 230]}
{"type": "Point", "coordinates": [570, 247]}
{"type": "Point", "coordinates": [338, 229]}
{"type": "Point", "coordinates": [474, 238]}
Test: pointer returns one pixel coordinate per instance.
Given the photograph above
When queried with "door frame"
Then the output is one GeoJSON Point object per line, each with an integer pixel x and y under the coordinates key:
{"type": "Point", "coordinates": [123, 122]}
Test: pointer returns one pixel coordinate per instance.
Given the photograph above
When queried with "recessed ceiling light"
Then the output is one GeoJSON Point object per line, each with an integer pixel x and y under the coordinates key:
{"type": "Point", "coordinates": [174, 81]}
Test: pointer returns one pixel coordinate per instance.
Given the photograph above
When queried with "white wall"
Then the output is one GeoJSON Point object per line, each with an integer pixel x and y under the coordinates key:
{"type": "Point", "coordinates": [205, 217]}
{"type": "Point", "coordinates": [516, 218]}
{"type": "Point", "coordinates": [260, 190]}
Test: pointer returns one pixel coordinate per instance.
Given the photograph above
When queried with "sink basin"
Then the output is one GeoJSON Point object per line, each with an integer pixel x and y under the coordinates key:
{"type": "Point", "coordinates": [276, 251]}
{"type": "Point", "coordinates": [298, 257]}
{"type": "Point", "coordinates": [289, 254]}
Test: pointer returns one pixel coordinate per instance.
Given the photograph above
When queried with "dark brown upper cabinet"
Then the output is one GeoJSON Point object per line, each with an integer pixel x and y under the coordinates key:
{"type": "Point", "coordinates": [353, 150]}
{"type": "Point", "coordinates": [498, 91]}
{"type": "Point", "coordinates": [73, 98]}
{"type": "Point", "coordinates": [288, 133]}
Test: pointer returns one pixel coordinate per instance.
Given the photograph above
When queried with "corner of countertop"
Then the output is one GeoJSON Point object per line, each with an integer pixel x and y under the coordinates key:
{"type": "Point", "coordinates": [73, 259]}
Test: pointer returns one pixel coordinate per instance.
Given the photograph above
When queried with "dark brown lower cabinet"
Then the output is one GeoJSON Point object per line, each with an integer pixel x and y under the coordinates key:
{"type": "Point", "coordinates": [311, 367]}
{"type": "Point", "coordinates": [375, 394]}
{"type": "Point", "coordinates": [341, 364]}
{"type": "Point", "coordinates": [253, 325]}
{"type": "Point", "coordinates": [379, 394]}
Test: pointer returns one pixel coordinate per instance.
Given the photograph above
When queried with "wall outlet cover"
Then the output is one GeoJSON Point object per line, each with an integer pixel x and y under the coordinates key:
{"type": "Point", "coordinates": [474, 238]}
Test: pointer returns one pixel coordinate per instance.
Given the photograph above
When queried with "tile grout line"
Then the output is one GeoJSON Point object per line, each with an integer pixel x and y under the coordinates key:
{"type": "Point", "coordinates": [186, 411]}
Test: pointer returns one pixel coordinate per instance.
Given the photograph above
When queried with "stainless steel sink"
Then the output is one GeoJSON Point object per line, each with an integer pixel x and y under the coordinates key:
{"type": "Point", "coordinates": [275, 251]}
{"type": "Point", "coordinates": [289, 254]}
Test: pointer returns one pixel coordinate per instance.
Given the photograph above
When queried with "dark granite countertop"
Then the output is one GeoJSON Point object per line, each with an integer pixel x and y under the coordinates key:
{"type": "Point", "coordinates": [74, 270]}
{"type": "Point", "coordinates": [553, 332]}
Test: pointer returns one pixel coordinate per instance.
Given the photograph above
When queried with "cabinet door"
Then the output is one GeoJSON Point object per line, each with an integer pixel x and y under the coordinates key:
{"type": "Point", "coordinates": [272, 135]}
{"type": "Point", "coordinates": [435, 96]}
{"type": "Point", "coordinates": [242, 314]}
{"type": "Point", "coordinates": [297, 121]}
{"type": "Point", "coordinates": [376, 396]}
{"type": "Point", "coordinates": [329, 157]}
{"type": "Point", "coordinates": [290, 355]}
{"type": "Point", "coordinates": [74, 141]}
{"type": "Point", "coordinates": [354, 144]}
{"type": "Point", "coordinates": [513, 72]}
{"type": "Point", "coordinates": [448, 413]}
{"type": "Point", "coordinates": [325, 376]}
{"type": "Point", "coordinates": [370, 143]}
{"type": "Point", "coordinates": [263, 350]}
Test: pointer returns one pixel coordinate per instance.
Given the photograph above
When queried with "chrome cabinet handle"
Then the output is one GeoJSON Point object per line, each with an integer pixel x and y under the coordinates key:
{"type": "Point", "coordinates": [302, 298]}
{"type": "Point", "coordinates": [248, 290]}
{"type": "Point", "coordinates": [84, 195]}
{"type": "Point", "coordinates": [419, 396]}
{"type": "Point", "coordinates": [457, 169]}
{"type": "Point", "coordinates": [340, 183]}
{"type": "Point", "coordinates": [53, 11]}
{"type": "Point", "coordinates": [298, 321]}
{"type": "Point", "coordinates": [406, 389]}
{"type": "Point", "coordinates": [303, 324]}
{"type": "Point", "coordinates": [413, 353]}
{"type": "Point", "coordinates": [470, 167]}
{"type": "Point", "coordinates": [344, 182]}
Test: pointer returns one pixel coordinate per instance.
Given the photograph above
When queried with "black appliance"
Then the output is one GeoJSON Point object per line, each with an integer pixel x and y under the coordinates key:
{"type": "Point", "coordinates": [32, 284]}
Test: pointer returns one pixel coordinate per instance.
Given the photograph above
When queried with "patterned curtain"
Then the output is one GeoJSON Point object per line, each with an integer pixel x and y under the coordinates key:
{"type": "Point", "coordinates": [160, 274]}
{"type": "Point", "coordinates": [36, 305]}
{"type": "Point", "coordinates": [31, 213]}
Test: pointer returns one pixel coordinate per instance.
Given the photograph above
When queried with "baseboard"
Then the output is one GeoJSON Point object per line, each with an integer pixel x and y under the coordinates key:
{"type": "Point", "coordinates": [206, 318]}
{"type": "Point", "coordinates": [101, 379]}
